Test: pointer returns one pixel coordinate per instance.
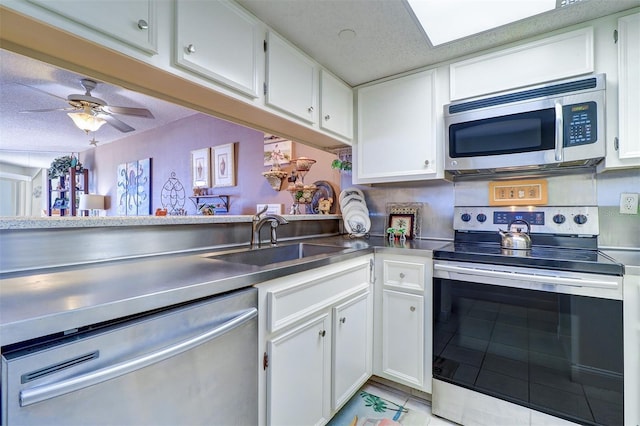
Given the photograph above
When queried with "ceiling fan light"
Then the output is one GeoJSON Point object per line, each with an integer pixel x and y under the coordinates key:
{"type": "Point", "coordinates": [86, 122]}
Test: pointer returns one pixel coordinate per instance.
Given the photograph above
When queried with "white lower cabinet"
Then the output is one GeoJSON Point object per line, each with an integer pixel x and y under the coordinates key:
{"type": "Point", "coordinates": [297, 375]}
{"type": "Point", "coordinates": [403, 320]}
{"type": "Point", "coordinates": [316, 328]}
{"type": "Point", "coordinates": [403, 337]}
{"type": "Point", "coordinates": [352, 350]}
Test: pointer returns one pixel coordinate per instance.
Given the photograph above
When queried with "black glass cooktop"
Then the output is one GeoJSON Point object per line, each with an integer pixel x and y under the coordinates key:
{"type": "Point", "coordinates": [547, 257]}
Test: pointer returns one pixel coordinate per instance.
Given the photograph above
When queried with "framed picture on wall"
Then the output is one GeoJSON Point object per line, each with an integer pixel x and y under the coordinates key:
{"type": "Point", "coordinates": [277, 153]}
{"type": "Point", "coordinates": [224, 165]}
{"type": "Point", "coordinates": [200, 168]}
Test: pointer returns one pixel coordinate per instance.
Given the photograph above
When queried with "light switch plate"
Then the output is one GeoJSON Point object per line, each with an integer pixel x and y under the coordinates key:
{"type": "Point", "coordinates": [628, 203]}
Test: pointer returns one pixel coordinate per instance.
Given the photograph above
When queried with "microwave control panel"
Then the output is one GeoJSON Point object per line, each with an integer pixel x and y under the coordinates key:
{"type": "Point", "coordinates": [580, 126]}
{"type": "Point", "coordinates": [571, 220]}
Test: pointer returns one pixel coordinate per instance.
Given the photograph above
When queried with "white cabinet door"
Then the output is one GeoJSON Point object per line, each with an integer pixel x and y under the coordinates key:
{"type": "Point", "coordinates": [352, 343]}
{"type": "Point", "coordinates": [298, 375]}
{"type": "Point", "coordinates": [336, 105]}
{"type": "Point", "coordinates": [131, 22]}
{"type": "Point", "coordinates": [628, 150]}
{"type": "Point", "coordinates": [291, 80]}
{"type": "Point", "coordinates": [218, 40]}
{"type": "Point", "coordinates": [396, 130]}
{"type": "Point", "coordinates": [403, 337]}
{"type": "Point", "coordinates": [552, 58]}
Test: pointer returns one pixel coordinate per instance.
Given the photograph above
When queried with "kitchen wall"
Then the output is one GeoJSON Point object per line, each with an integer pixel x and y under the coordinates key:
{"type": "Point", "coordinates": [170, 148]}
{"type": "Point", "coordinates": [438, 198]}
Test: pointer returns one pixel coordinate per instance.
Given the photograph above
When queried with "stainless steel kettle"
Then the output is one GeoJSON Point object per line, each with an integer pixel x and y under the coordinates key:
{"type": "Point", "coordinates": [516, 240]}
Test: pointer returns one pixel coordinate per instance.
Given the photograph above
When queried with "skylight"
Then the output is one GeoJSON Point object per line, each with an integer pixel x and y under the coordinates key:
{"type": "Point", "coordinates": [447, 20]}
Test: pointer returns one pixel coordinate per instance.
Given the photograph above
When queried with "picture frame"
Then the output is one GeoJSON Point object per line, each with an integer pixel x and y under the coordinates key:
{"type": "Point", "coordinates": [403, 221]}
{"type": "Point", "coordinates": [224, 165]}
{"type": "Point", "coordinates": [414, 209]}
{"type": "Point", "coordinates": [201, 168]}
{"type": "Point", "coordinates": [60, 203]}
{"type": "Point", "coordinates": [281, 151]}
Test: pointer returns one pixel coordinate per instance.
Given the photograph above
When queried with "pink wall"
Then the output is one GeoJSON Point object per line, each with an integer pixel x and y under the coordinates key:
{"type": "Point", "coordinates": [170, 147]}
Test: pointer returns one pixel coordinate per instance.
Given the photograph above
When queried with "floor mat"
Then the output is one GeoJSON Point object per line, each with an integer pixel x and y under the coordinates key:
{"type": "Point", "coordinates": [366, 409]}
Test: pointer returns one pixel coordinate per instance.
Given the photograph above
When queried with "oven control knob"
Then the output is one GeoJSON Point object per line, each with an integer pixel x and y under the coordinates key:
{"type": "Point", "coordinates": [466, 217]}
{"type": "Point", "coordinates": [580, 219]}
{"type": "Point", "coordinates": [481, 217]}
{"type": "Point", "coordinates": [559, 219]}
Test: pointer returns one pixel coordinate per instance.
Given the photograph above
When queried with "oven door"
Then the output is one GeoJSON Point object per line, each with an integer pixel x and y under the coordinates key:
{"type": "Point", "coordinates": [551, 341]}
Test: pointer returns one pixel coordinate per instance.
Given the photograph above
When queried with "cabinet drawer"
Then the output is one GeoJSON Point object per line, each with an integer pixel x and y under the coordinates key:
{"type": "Point", "coordinates": [289, 304]}
{"type": "Point", "coordinates": [403, 275]}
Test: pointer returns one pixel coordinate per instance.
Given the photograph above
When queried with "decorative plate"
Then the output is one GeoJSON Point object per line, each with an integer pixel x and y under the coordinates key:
{"type": "Point", "coordinates": [325, 190]}
{"type": "Point", "coordinates": [355, 207]}
{"type": "Point", "coordinates": [351, 199]}
{"type": "Point", "coordinates": [357, 223]}
{"type": "Point", "coordinates": [350, 191]}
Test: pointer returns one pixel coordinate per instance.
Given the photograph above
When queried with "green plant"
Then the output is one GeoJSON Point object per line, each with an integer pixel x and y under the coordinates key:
{"type": "Point", "coordinates": [61, 165]}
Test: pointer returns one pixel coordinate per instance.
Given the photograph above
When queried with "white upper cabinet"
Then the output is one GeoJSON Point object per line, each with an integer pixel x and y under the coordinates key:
{"type": "Point", "coordinates": [130, 22]}
{"type": "Point", "coordinates": [625, 151]}
{"type": "Point", "coordinates": [336, 106]}
{"type": "Point", "coordinates": [561, 56]}
{"type": "Point", "coordinates": [397, 130]}
{"type": "Point", "coordinates": [218, 40]}
{"type": "Point", "coordinates": [292, 83]}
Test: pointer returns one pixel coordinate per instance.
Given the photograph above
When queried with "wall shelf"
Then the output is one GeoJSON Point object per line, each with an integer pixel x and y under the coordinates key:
{"type": "Point", "coordinates": [223, 198]}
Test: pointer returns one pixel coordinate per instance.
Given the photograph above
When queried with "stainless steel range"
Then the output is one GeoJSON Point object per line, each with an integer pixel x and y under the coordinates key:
{"type": "Point", "coordinates": [523, 334]}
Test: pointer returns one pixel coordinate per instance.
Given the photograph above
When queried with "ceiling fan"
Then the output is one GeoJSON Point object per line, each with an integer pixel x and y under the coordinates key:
{"type": "Point", "coordinates": [89, 112]}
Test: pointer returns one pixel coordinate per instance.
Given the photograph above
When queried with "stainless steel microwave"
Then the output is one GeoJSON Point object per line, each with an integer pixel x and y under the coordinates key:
{"type": "Point", "coordinates": [560, 124]}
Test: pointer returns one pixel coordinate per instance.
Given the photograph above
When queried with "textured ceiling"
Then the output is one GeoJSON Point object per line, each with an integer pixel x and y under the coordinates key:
{"type": "Point", "coordinates": [33, 139]}
{"type": "Point", "coordinates": [387, 41]}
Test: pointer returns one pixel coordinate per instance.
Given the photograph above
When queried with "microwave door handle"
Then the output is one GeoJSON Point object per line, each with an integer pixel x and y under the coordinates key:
{"type": "Point", "coordinates": [559, 131]}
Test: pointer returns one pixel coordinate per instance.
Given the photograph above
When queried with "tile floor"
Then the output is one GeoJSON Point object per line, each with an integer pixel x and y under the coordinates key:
{"type": "Point", "coordinates": [410, 401]}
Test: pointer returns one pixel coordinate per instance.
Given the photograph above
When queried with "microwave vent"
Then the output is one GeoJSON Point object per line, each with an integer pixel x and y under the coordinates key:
{"type": "Point", "coordinates": [572, 86]}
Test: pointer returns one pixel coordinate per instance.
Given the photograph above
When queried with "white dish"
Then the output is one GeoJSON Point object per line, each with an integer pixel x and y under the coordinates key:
{"type": "Point", "coordinates": [350, 191]}
{"type": "Point", "coordinates": [357, 223]}
{"type": "Point", "coordinates": [355, 207]}
{"type": "Point", "coordinates": [351, 199]}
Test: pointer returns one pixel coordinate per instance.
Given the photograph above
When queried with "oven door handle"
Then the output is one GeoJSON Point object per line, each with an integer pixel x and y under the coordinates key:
{"type": "Point", "coordinates": [52, 390]}
{"type": "Point", "coordinates": [544, 279]}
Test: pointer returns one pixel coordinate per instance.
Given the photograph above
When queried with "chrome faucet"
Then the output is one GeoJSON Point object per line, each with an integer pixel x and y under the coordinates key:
{"type": "Point", "coordinates": [258, 222]}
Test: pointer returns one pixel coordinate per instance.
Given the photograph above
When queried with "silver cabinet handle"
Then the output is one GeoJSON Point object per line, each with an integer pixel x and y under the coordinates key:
{"type": "Point", "coordinates": [401, 275]}
{"type": "Point", "coordinates": [343, 320]}
{"type": "Point", "coordinates": [412, 309]}
{"type": "Point", "coordinates": [322, 333]}
{"type": "Point", "coordinates": [310, 109]}
{"type": "Point", "coordinates": [426, 162]}
{"type": "Point", "coordinates": [327, 117]}
{"type": "Point", "coordinates": [52, 390]}
{"type": "Point", "coordinates": [143, 25]}
{"type": "Point", "coordinates": [559, 131]}
{"type": "Point", "coordinates": [191, 49]}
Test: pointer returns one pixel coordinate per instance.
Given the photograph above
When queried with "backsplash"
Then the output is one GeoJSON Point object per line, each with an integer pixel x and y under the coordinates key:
{"type": "Point", "coordinates": [439, 197]}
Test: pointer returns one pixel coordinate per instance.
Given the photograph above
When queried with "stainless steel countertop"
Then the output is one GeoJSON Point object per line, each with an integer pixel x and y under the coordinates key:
{"type": "Point", "coordinates": [33, 305]}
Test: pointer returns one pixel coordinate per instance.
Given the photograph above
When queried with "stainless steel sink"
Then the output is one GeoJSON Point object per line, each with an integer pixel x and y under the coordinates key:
{"type": "Point", "coordinates": [270, 255]}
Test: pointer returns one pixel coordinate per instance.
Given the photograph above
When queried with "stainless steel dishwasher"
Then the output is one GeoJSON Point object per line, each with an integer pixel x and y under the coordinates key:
{"type": "Point", "coordinates": [190, 364]}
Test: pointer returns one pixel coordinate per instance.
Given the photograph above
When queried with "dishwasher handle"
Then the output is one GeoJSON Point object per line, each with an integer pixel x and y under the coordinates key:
{"type": "Point", "coordinates": [52, 390]}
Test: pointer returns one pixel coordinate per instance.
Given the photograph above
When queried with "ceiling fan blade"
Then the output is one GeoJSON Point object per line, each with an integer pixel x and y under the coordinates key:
{"type": "Point", "coordinates": [120, 125]}
{"type": "Point", "coordinates": [50, 109]}
{"type": "Point", "coordinates": [41, 91]}
{"type": "Point", "coordinates": [139, 112]}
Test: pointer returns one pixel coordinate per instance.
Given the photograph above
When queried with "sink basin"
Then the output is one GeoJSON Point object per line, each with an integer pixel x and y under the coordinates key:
{"type": "Point", "coordinates": [267, 256]}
